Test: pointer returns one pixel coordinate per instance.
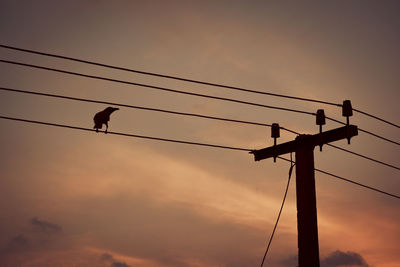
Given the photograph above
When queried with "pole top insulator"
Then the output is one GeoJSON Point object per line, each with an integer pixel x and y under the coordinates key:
{"type": "Point", "coordinates": [347, 110]}
{"type": "Point", "coordinates": [275, 134]}
{"type": "Point", "coordinates": [275, 130]}
{"type": "Point", "coordinates": [320, 119]}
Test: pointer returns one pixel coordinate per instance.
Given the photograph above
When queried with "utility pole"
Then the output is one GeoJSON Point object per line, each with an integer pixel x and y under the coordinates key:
{"type": "Point", "coordinates": [303, 146]}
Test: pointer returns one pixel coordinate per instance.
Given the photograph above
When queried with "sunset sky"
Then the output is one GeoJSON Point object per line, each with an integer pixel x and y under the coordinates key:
{"type": "Point", "coordinates": [75, 198]}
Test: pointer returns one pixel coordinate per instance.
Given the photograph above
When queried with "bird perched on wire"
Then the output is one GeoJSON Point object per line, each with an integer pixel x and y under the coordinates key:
{"type": "Point", "coordinates": [103, 117]}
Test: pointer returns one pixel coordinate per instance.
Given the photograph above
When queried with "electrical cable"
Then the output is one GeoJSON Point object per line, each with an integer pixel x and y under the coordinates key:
{"type": "Point", "coordinates": [184, 142]}
{"type": "Point", "coordinates": [375, 117]}
{"type": "Point", "coordinates": [190, 80]}
{"type": "Point", "coordinates": [351, 152]}
{"type": "Point", "coordinates": [367, 132]}
{"type": "Point", "coordinates": [356, 183]}
{"type": "Point", "coordinates": [365, 157]}
{"type": "Point", "coordinates": [125, 134]}
{"type": "Point", "coordinates": [183, 114]}
{"type": "Point", "coordinates": [350, 181]}
{"type": "Point", "coordinates": [134, 107]}
{"type": "Point", "coordinates": [187, 93]}
{"type": "Point", "coordinates": [167, 76]}
{"type": "Point", "coordinates": [155, 87]}
{"type": "Point", "coordinates": [280, 211]}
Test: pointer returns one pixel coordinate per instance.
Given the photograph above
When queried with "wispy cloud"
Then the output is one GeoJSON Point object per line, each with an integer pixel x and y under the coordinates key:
{"type": "Point", "coordinates": [45, 226]}
{"type": "Point", "coordinates": [335, 259]}
{"type": "Point", "coordinates": [340, 258]}
{"type": "Point", "coordinates": [17, 244]}
{"type": "Point", "coordinates": [108, 258]}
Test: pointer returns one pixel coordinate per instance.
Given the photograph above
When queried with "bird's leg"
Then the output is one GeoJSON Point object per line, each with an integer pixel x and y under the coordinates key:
{"type": "Point", "coordinates": [97, 130]}
{"type": "Point", "coordinates": [106, 127]}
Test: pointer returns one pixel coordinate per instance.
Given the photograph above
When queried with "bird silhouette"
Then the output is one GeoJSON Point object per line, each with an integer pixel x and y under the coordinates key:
{"type": "Point", "coordinates": [103, 117]}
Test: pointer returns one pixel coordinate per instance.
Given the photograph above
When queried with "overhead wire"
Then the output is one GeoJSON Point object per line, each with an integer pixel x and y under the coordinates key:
{"type": "Point", "coordinates": [354, 153]}
{"type": "Point", "coordinates": [350, 181]}
{"type": "Point", "coordinates": [133, 106]}
{"type": "Point", "coordinates": [280, 211]}
{"type": "Point", "coordinates": [125, 134]}
{"type": "Point", "coordinates": [183, 114]}
{"type": "Point", "coordinates": [185, 142]}
{"type": "Point", "coordinates": [367, 132]}
{"type": "Point", "coordinates": [365, 157]}
{"type": "Point", "coordinates": [359, 184]}
{"type": "Point", "coordinates": [191, 80]}
{"type": "Point", "coordinates": [187, 93]}
{"type": "Point", "coordinates": [166, 76]}
{"type": "Point", "coordinates": [376, 117]}
{"type": "Point", "coordinates": [154, 87]}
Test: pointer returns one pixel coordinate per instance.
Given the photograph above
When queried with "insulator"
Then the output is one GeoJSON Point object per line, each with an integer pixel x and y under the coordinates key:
{"type": "Point", "coordinates": [347, 110]}
{"type": "Point", "coordinates": [275, 130]}
{"type": "Point", "coordinates": [320, 120]}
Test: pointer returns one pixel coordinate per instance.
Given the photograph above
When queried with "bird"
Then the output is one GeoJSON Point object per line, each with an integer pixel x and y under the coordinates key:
{"type": "Point", "coordinates": [103, 117]}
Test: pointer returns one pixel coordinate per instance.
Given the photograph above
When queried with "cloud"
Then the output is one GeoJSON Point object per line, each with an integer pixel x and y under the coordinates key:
{"type": "Point", "coordinates": [340, 258]}
{"type": "Point", "coordinates": [32, 243]}
{"type": "Point", "coordinates": [106, 257]}
{"type": "Point", "coordinates": [119, 264]}
{"type": "Point", "coordinates": [335, 259]}
{"type": "Point", "coordinates": [45, 226]}
{"type": "Point", "coordinates": [17, 244]}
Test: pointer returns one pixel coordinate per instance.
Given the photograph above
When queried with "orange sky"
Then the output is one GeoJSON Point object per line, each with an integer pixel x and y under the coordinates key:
{"type": "Point", "coordinates": [103, 200]}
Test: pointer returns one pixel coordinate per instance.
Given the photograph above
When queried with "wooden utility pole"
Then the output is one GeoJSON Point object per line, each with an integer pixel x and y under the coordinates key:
{"type": "Point", "coordinates": [303, 146]}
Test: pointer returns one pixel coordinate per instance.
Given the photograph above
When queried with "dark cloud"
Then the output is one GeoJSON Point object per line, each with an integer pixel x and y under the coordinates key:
{"type": "Point", "coordinates": [17, 244]}
{"type": "Point", "coordinates": [14, 250]}
{"type": "Point", "coordinates": [44, 226]}
{"type": "Point", "coordinates": [32, 241]}
{"type": "Point", "coordinates": [106, 257]}
{"type": "Point", "coordinates": [340, 258]}
{"type": "Point", "coordinates": [335, 259]}
{"type": "Point", "coordinates": [119, 264]}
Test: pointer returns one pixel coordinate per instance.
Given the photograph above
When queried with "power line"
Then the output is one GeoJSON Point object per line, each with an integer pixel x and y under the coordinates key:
{"type": "Point", "coordinates": [188, 80]}
{"type": "Point", "coordinates": [375, 117]}
{"type": "Point", "coordinates": [183, 114]}
{"type": "Point", "coordinates": [354, 153]}
{"type": "Point", "coordinates": [125, 134]}
{"type": "Point", "coordinates": [356, 183]}
{"type": "Point", "coordinates": [192, 81]}
{"type": "Point", "coordinates": [134, 107]}
{"type": "Point", "coordinates": [187, 93]}
{"type": "Point", "coordinates": [279, 215]}
{"type": "Point", "coordinates": [365, 157]}
{"type": "Point", "coordinates": [350, 181]}
{"type": "Point", "coordinates": [188, 143]}
{"type": "Point", "coordinates": [367, 132]}
{"type": "Point", "coordinates": [167, 76]}
{"type": "Point", "coordinates": [155, 87]}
